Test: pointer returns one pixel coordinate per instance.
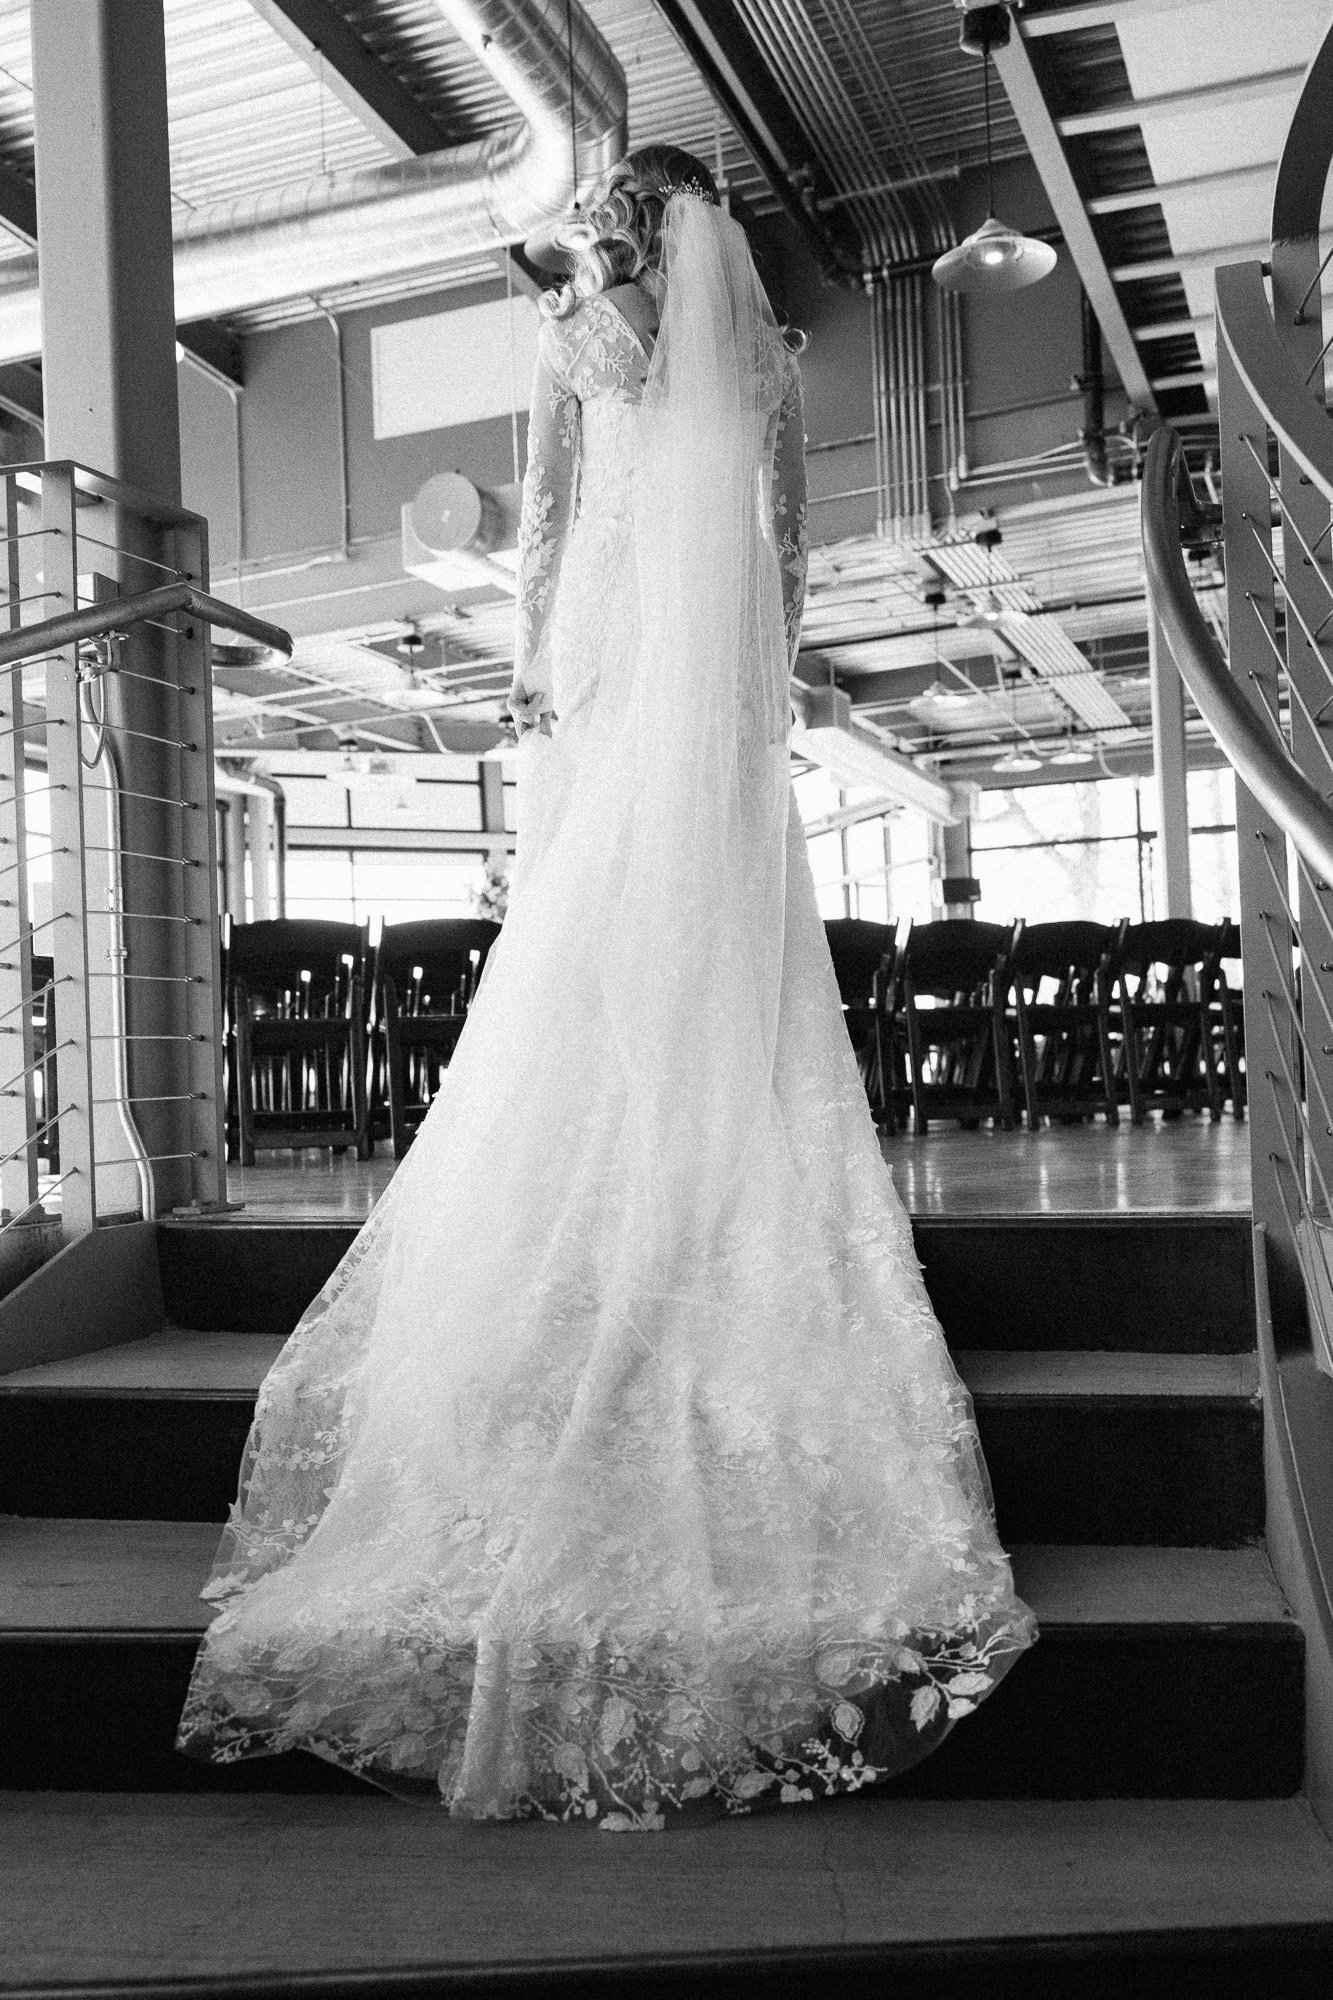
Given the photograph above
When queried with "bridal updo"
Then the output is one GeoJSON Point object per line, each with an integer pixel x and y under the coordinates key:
{"type": "Point", "coordinates": [618, 236]}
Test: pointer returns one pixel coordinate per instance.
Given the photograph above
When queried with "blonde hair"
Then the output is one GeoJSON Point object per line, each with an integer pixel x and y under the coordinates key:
{"type": "Point", "coordinates": [618, 237]}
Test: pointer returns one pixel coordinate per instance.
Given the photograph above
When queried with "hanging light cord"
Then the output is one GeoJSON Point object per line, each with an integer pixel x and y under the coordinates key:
{"type": "Point", "coordinates": [985, 93]}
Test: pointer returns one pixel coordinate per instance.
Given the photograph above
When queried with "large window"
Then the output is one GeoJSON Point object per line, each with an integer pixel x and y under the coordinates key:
{"type": "Point", "coordinates": [380, 885]}
{"type": "Point", "coordinates": [849, 862]}
{"type": "Point", "coordinates": [1051, 852]}
{"type": "Point", "coordinates": [394, 860]}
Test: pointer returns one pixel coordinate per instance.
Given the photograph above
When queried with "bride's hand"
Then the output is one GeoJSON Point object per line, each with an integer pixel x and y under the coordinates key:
{"type": "Point", "coordinates": [530, 711]}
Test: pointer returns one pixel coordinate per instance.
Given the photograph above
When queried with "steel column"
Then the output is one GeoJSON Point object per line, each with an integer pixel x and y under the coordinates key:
{"type": "Point", "coordinates": [955, 860]}
{"type": "Point", "coordinates": [259, 846]}
{"type": "Point", "coordinates": [234, 847]}
{"type": "Point", "coordinates": [109, 380]}
{"type": "Point", "coordinates": [104, 218]}
{"type": "Point", "coordinates": [1169, 776]}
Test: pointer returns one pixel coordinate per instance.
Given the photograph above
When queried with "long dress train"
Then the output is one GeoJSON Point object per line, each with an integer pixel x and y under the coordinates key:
{"type": "Point", "coordinates": [621, 1464]}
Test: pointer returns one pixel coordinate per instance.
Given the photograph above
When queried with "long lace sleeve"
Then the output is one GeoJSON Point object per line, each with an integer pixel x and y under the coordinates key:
{"type": "Point", "coordinates": [789, 506]}
{"type": "Point", "coordinates": [549, 490]}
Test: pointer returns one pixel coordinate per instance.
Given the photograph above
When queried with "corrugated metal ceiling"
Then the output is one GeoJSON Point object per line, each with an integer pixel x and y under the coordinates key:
{"type": "Point", "coordinates": [880, 86]}
{"type": "Point", "coordinates": [249, 114]}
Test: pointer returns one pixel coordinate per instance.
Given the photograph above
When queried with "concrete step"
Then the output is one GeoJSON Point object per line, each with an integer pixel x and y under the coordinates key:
{"type": "Point", "coordinates": [1160, 1673]}
{"type": "Point", "coordinates": [1175, 1283]}
{"type": "Point", "coordinates": [1081, 1446]}
{"type": "Point", "coordinates": [330, 1885]}
{"type": "Point", "coordinates": [193, 1894]}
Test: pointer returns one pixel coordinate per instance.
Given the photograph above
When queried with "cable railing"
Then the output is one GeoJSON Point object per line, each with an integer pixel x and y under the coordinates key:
{"type": "Point", "coordinates": [1269, 702]}
{"type": "Point", "coordinates": [109, 978]}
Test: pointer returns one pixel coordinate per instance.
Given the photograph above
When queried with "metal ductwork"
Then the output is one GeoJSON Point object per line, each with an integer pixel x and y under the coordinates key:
{"type": "Point", "coordinates": [340, 229]}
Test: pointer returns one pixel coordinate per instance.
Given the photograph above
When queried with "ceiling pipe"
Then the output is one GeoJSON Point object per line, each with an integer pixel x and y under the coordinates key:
{"type": "Point", "coordinates": [1091, 385]}
{"type": "Point", "coordinates": [339, 229]}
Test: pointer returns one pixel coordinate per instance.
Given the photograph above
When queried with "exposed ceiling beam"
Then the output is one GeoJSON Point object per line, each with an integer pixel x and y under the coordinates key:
{"type": "Point", "coordinates": [1095, 14]}
{"type": "Point", "coordinates": [1149, 197]}
{"type": "Point", "coordinates": [720, 47]}
{"type": "Point", "coordinates": [1191, 260]}
{"type": "Point", "coordinates": [1038, 127]}
{"type": "Point", "coordinates": [870, 635]}
{"type": "Point", "coordinates": [321, 36]}
{"type": "Point", "coordinates": [1188, 378]}
{"type": "Point", "coordinates": [888, 687]}
{"type": "Point", "coordinates": [1174, 329]}
{"type": "Point", "coordinates": [1204, 97]}
{"type": "Point", "coordinates": [1122, 760]}
{"type": "Point", "coordinates": [215, 350]}
{"type": "Point", "coordinates": [18, 205]}
{"type": "Point", "coordinates": [21, 392]}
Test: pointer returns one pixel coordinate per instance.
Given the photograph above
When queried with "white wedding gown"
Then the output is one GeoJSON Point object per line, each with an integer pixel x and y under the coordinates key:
{"type": "Point", "coordinates": [621, 1464]}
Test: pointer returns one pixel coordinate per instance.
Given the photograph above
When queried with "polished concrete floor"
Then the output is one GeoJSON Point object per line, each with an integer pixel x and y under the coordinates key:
{"type": "Point", "coordinates": [1189, 1166]}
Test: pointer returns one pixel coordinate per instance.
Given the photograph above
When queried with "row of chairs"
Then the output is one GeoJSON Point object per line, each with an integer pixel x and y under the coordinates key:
{"type": "Point", "coordinates": [331, 1044]}
{"type": "Point", "coordinates": [955, 1019]}
{"type": "Point", "coordinates": [327, 1043]}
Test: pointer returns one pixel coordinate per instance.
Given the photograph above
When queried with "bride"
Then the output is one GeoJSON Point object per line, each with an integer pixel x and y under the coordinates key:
{"type": "Point", "coordinates": [621, 1464]}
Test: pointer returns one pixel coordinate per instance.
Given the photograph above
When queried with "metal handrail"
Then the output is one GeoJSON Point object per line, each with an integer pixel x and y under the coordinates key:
{"type": "Point", "coordinates": [1169, 502]}
{"type": "Point", "coordinates": [1307, 153]}
{"type": "Point", "coordinates": [1245, 326]}
{"type": "Point", "coordinates": [94, 621]}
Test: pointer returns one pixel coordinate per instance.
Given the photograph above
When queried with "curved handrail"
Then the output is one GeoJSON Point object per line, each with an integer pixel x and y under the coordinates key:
{"type": "Point", "coordinates": [94, 621]}
{"type": "Point", "coordinates": [1245, 326]}
{"type": "Point", "coordinates": [1244, 735]}
{"type": "Point", "coordinates": [1307, 154]}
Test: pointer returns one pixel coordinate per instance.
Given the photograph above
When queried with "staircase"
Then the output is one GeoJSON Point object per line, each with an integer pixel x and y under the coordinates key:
{"type": "Point", "coordinates": [1133, 1787]}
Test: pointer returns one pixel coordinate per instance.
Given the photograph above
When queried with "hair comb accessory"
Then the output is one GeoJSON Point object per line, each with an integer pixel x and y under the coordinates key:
{"type": "Point", "coordinates": [691, 187]}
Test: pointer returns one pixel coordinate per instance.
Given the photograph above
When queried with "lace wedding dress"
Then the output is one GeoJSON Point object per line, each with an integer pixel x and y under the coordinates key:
{"type": "Point", "coordinates": [621, 1465]}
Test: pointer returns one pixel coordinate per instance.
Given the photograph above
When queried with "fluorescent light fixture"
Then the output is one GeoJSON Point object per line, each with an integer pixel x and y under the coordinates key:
{"type": "Point", "coordinates": [829, 738]}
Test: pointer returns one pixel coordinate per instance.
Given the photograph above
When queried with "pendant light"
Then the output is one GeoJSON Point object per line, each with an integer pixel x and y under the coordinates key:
{"type": "Point", "coordinates": [995, 257]}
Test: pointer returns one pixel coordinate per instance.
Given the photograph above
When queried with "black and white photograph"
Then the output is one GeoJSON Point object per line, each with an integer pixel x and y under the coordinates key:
{"type": "Point", "coordinates": [666, 980]}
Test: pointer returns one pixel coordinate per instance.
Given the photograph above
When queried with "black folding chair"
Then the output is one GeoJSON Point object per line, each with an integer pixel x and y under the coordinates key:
{"type": "Point", "coordinates": [953, 978]}
{"type": "Point", "coordinates": [1061, 981]}
{"type": "Point", "coordinates": [299, 1006]}
{"type": "Point", "coordinates": [862, 955]}
{"type": "Point", "coordinates": [1225, 1004]}
{"type": "Point", "coordinates": [426, 975]}
{"type": "Point", "coordinates": [1166, 1059]}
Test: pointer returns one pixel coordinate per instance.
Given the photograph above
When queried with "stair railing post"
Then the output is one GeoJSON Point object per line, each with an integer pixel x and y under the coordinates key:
{"type": "Point", "coordinates": [18, 1113]}
{"type": "Point", "coordinates": [1307, 583]}
{"type": "Point", "coordinates": [69, 872]}
{"type": "Point", "coordinates": [1272, 1054]}
{"type": "Point", "coordinates": [190, 653]}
